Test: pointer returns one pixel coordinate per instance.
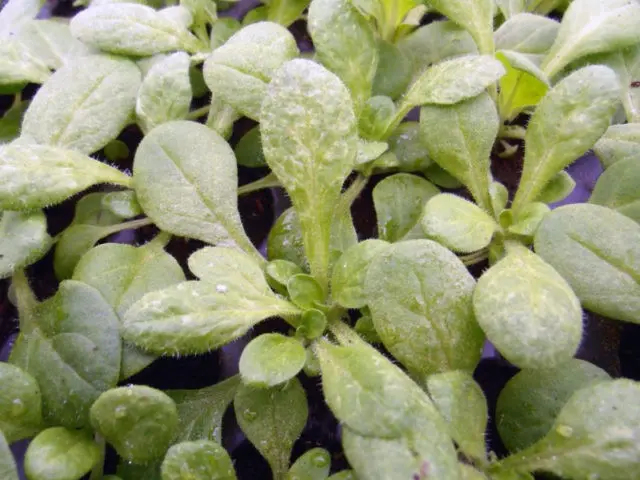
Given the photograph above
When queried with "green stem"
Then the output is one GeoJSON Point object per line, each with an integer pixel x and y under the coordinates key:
{"type": "Point", "coordinates": [350, 195]}
{"type": "Point", "coordinates": [199, 112]}
{"type": "Point", "coordinates": [25, 299]}
{"type": "Point", "coordinates": [475, 257]}
{"type": "Point", "coordinates": [343, 333]}
{"type": "Point", "coordinates": [111, 229]}
{"type": "Point", "coordinates": [512, 131]}
{"type": "Point", "coordinates": [265, 182]}
{"type": "Point", "coordinates": [160, 241]}
{"type": "Point", "coordinates": [98, 468]}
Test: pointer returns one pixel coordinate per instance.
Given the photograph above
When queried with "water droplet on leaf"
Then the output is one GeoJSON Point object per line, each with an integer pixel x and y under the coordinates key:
{"type": "Point", "coordinates": [249, 415]}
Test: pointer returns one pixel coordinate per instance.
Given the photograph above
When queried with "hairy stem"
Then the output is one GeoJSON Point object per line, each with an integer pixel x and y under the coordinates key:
{"type": "Point", "coordinates": [265, 182]}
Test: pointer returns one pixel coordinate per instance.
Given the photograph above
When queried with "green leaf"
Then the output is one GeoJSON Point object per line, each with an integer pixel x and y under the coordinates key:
{"type": "Point", "coordinates": [593, 26]}
{"type": "Point", "coordinates": [617, 188]}
{"type": "Point", "coordinates": [11, 121]}
{"type": "Point", "coordinates": [285, 240]}
{"type": "Point", "coordinates": [23, 240]}
{"type": "Point", "coordinates": [375, 117]}
{"type": "Point", "coordinates": [305, 291]}
{"type": "Point", "coordinates": [271, 359]}
{"type": "Point", "coordinates": [239, 71]}
{"type": "Point", "coordinates": [476, 16]}
{"type": "Point", "coordinates": [8, 468]}
{"type": "Point", "coordinates": [60, 454]}
{"type": "Point", "coordinates": [312, 324]}
{"type": "Point", "coordinates": [510, 8]}
{"type": "Point", "coordinates": [523, 86]}
{"type": "Point", "coordinates": [460, 401]}
{"type": "Point", "coordinates": [527, 33]}
{"type": "Point", "coordinates": [559, 187]}
{"type": "Point", "coordinates": [200, 411]}
{"type": "Point", "coordinates": [282, 270]}
{"type": "Point", "coordinates": [140, 422]}
{"type": "Point", "coordinates": [407, 145]}
{"type": "Point", "coordinates": [346, 45]}
{"type": "Point", "coordinates": [165, 93]}
{"type": "Point", "coordinates": [394, 71]}
{"type": "Point", "coordinates": [16, 13]}
{"type": "Point", "coordinates": [18, 66]}
{"type": "Point", "coordinates": [123, 274]}
{"type": "Point", "coordinates": [312, 465]}
{"type": "Point", "coordinates": [456, 223]}
{"type": "Point", "coordinates": [73, 243]}
{"type": "Point", "coordinates": [20, 404]}
{"type": "Point", "coordinates": [419, 294]}
{"type": "Point", "coordinates": [132, 471]}
{"type": "Point", "coordinates": [85, 104]}
{"type": "Point", "coordinates": [249, 149]}
{"type": "Point", "coordinates": [311, 160]}
{"type": "Point", "coordinates": [499, 196]}
{"type": "Point", "coordinates": [190, 188]}
{"type": "Point", "coordinates": [272, 419]}
{"type": "Point", "coordinates": [470, 473]}
{"type": "Point", "coordinates": [71, 344]}
{"type": "Point", "coordinates": [222, 30]}
{"type": "Point", "coordinates": [566, 123]}
{"type": "Point", "coordinates": [527, 221]}
{"type": "Point", "coordinates": [196, 317]}
{"type": "Point", "coordinates": [459, 139]}
{"type": "Point", "coordinates": [530, 402]}
{"type": "Point", "coordinates": [343, 475]}
{"type": "Point", "coordinates": [129, 29]}
{"type": "Point", "coordinates": [595, 434]}
{"type": "Point", "coordinates": [398, 201]}
{"type": "Point", "coordinates": [228, 268]}
{"type": "Point", "coordinates": [221, 117]}
{"type": "Point", "coordinates": [285, 12]}
{"type": "Point", "coordinates": [528, 311]}
{"type": "Point", "coordinates": [619, 142]}
{"type": "Point", "coordinates": [123, 204]}
{"type": "Point", "coordinates": [597, 251]}
{"type": "Point", "coordinates": [202, 460]}
{"type": "Point", "coordinates": [349, 273]}
{"type": "Point", "coordinates": [89, 210]}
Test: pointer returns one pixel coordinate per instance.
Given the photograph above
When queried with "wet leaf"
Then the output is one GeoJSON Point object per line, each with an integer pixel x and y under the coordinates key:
{"type": "Point", "coordinates": [202, 460]}
{"type": "Point", "coordinates": [271, 359]}
{"type": "Point", "coordinates": [20, 404]}
{"type": "Point", "coordinates": [312, 465]}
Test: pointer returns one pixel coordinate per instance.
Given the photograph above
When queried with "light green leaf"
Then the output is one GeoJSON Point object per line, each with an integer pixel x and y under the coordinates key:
{"type": "Point", "coordinates": [523, 86]}
{"type": "Point", "coordinates": [345, 44]}
{"type": "Point", "coordinates": [343, 475]}
{"type": "Point", "coordinates": [130, 29]}
{"type": "Point", "coordinates": [619, 142]}
{"type": "Point", "coordinates": [285, 12]}
{"type": "Point", "coordinates": [222, 30]}
{"type": "Point", "coordinates": [85, 104]}
{"type": "Point", "coordinates": [460, 401]}
{"type": "Point", "coordinates": [305, 291]}
{"type": "Point", "coordinates": [376, 116]}
{"type": "Point", "coordinates": [530, 402]}
{"type": "Point", "coordinates": [221, 117]}
{"type": "Point", "coordinates": [11, 121]}
{"type": "Point", "coordinates": [456, 223]}
{"type": "Point", "coordinates": [394, 71]}
{"type": "Point", "coordinates": [8, 468]}
{"type": "Point", "coordinates": [282, 270]}
{"type": "Point", "coordinates": [140, 422]}
{"type": "Point", "coordinates": [593, 26]}
{"type": "Point", "coordinates": [407, 145]}
{"type": "Point", "coordinates": [202, 460]}
{"type": "Point", "coordinates": [510, 8]}
{"type": "Point", "coordinates": [271, 359]}
{"type": "Point", "coordinates": [476, 16]}
{"type": "Point", "coordinates": [459, 139]}
{"type": "Point", "coordinates": [249, 149]}
{"type": "Point", "coordinates": [349, 272]}
{"type": "Point", "coordinates": [559, 187]}
{"type": "Point", "coordinates": [70, 343]}
{"type": "Point", "coordinates": [312, 324]}
{"type": "Point", "coordinates": [527, 221]}
{"type": "Point", "coordinates": [20, 404]}
{"type": "Point", "coordinates": [60, 454]}
{"type": "Point", "coordinates": [15, 13]}
{"type": "Point", "coordinates": [165, 93]}
{"type": "Point", "coordinates": [597, 251]}
{"type": "Point", "coordinates": [123, 274]}
{"type": "Point", "coordinates": [368, 152]}
{"type": "Point", "coordinates": [272, 419]}
{"type": "Point", "coordinates": [239, 71]}
{"type": "Point", "coordinates": [619, 189]}
{"type": "Point", "coordinates": [499, 196]}
{"type": "Point", "coordinates": [419, 294]}
{"type": "Point", "coordinates": [285, 240]}
{"type": "Point", "coordinates": [311, 160]}
{"type": "Point", "coordinates": [566, 123]}
{"type": "Point", "coordinates": [312, 465]}
{"type": "Point", "coordinates": [23, 240]}
{"type": "Point", "coordinates": [72, 244]}
{"type": "Point", "coordinates": [398, 201]}
{"type": "Point", "coordinates": [527, 33]}
{"type": "Point", "coordinates": [595, 434]}
{"type": "Point", "coordinates": [528, 311]}
{"type": "Point", "coordinates": [123, 204]}
{"type": "Point", "coordinates": [132, 471]}
{"type": "Point", "coordinates": [18, 66]}
{"type": "Point", "coordinates": [190, 188]}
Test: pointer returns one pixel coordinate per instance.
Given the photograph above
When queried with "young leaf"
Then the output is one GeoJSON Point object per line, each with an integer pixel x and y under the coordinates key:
{"type": "Point", "coordinates": [419, 294]}
{"type": "Point", "coordinates": [20, 404]}
{"type": "Point", "coordinates": [123, 204]}
{"type": "Point", "coordinates": [71, 344]}
{"type": "Point", "coordinates": [558, 188]}
{"type": "Point", "coordinates": [593, 26]}
{"type": "Point", "coordinates": [619, 142]}
{"type": "Point", "coordinates": [200, 411]}
{"type": "Point", "coordinates": [527, 33]}
{"type": "Point", "coordinates": [221, 117]}
{"type": "Point", "coordinates": [617, 188]}
{"type": "Point", "coordinates": [123, 274]}
{"type": "Point", "coordinates": [249, 149]}
{"type": "Point", "coordinates": [408, 147]}
{"type": "Point", "coordinates": [528, 311]}
{"type": "Point", "coordinates": [271, 359]}
{"type": "Point", "coordinates": [349, 273]}
{"type": "Point", "coordinates": [305, 291]}
{"type": "Point", "coordinates": [457, 224]}
{"type": "Point", "coordinates": [196, 317]}
{"type": "Point", "coordinates": [190, 188]}
{"type": "Point", "coordinates": [594, 434]}
{"type": "Point", "coordinates": [238, 72]}
{"type": "Point", "coordinates": [460, 401]}
{"type": "Point", "coordinates": [272, 419]}
{"type": "Point", "coordinates": [343, 475]}
{"type": "Point", "coordinates": [85, 104]}
{"type": "Point", "coordinates": [527, 221]}
{"type": "Point", "coordinates": [165, 93]}
{"type": "Point", "coordinates": [476, 16]}
{"type": "Point", "coordinates": [346, 45]}
{"type": "Point", "coordinates": [282, 270]}
{"type": "Point", "coordinates": [73, 243]}
{"type": "Point", "coordinates": [8, 468]}
{"type": "Point", "coordinates": [597, 251]}
{"type": "Point", "coordinates": [202, 460]}
{"type": "Point", "coordinates": [523, 86]}
{"type": "Point", "coordinates": [312, 160]}
{"type": "Point", "coordinates": [312, 465]}
{"type": "Point", "coordinates": [222, 30]}
{"type": "Point", "coordinates": [285, 240]}
{"type": "Point", "coordinates": [140, 422]}
{"type": "Point", "coordinates": [530, 402]}
{"type": "Point", "coordinates": [129, 29]}
{"type": "Point", "coordinates": [60, 454]}
{"type": "Point", "coordinates": [23, 240]}
{"type": "Point", "coordinates": [460, 137]}
{"type": "Point", "coordinates": [228, 268]}
{"type": "Point", "coordinates": [393, 73]}
{"type": "Point", "coordinates": [285, 12]}
{"type": "Point", "coordinates": [566, 123]}
{"type": "Point", "coordinates": [499, 196]}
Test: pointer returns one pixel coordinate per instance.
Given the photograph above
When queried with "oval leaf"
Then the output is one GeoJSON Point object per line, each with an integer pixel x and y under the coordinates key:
{"type": "Point", "coordinates": [203, 460]}
{"type": "Point", "coordinates": [475, 16]}
{"type": "Point", "coordinates": [23, 240]}
{"type": "Point", "coordinates": [20, 404]}
{"type": "Point", "coordinates": [619, 142]}
{"type": "Point", "coordinates": [312, 465]}
{"type": "Point", "coordinates": [271, 359]}
{"type": "Point", "coordinates": [617, 188]}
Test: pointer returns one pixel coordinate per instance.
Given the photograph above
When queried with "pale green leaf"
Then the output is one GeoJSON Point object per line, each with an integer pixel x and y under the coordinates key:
{"type": "Point", "coordinates": [527, 33]}
{"type": "Point", "coordinates": [285, 240]}
{"type": "Point", "coordinates": [419, 294]}
{"type": "Point", "coordinates": [20, 404]}
{"type": "Point", "coordinates": [499, 196]}
{"type": "Point", "coordinates": [23, 240]}
{"type": "Point", "coordinates": [510, 8]}
{"type": "Point", "coordinates": [376, 116]}
{"type": "Point", "coordinates": [527, 221]}
{"type": "Point", "coordinates": [201, 460]}
{"type": "Point", "coordinates": [619, 189]}
{"type": "Point", "coordinates": [343, 475]}
{"type": "Point", "coordinates": [18, 66]}
{"type": "Point", "coordinates": [271, 359]}
{"type": "Point", "coordinates": [394, 71]}
{"type": "Point", "coordinates": [72, 244]}
{"type": "Point", "coordinates": [249, 149]}
{"type": "Point", "coordinates": [8, 468]}
{"type": "Point", "coordinates": [221, 117]}
{"type": "Point", "coordinates": [282, 270]}
{"type": "Point", "coordinates": [305, 291]}
{"type": "Point", "coordinates": [123, 204]}
{"type": "Point", "coordinates": [476, 16]}
{"type": "Point", "coordinates": [619, 142]}
{"type": "Point", "coordinates": [558, 188]}
{"type": "Point", "coordinates": [222, 30]}
{"type": "Point", "coordinates": [312, 465]}
{"type": "Point", "coordinates": [15, 13]}
{"type": "Point", "coordinates": [407, 145]}
{"type": "Point", "coordinates": [285, 12]}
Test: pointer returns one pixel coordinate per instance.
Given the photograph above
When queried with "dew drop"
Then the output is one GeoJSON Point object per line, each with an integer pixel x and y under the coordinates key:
{"type": "Point", "coordinates": [564, 430]}
{"type": "Point", "coordinates": [249, 415]}
{"type": "Point", "coordinates": [221, 288]}
{"type": "Point", "coordinates": [17, 407]}
{"type": "Point", "coordinates": [120, 412]}
{"type": "Point", "coordinates": [320, 461]}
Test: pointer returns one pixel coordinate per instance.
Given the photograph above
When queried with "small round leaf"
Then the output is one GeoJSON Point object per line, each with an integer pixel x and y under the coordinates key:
{"type": "Point", "coordinates": [271, 359]}
{"type": "Point", "coordinates": [20, 403]}
{"type": "Point", "coordinates": [200, 460]}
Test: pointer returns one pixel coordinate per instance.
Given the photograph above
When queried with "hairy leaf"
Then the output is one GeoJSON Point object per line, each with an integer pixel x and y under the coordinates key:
{"type": "Point", "coordinates": [23, 240]}
{"type": "Point", "coordinates": [20, 404]}
{"type": "Point", "coordinates": [476, 16]}
{"type": "Point", "coordinates": [617, 188]}
{"type": "Point", "coordinates": [527, 33]}
{"type": "Point", "coordinates": [312, 465]}
{"type": "Point", "coordinates": [619, 142]}
{"type": "Point", "coordinates": [271, 359]}
{"type": "Point", "coordinates": [201, 460]}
